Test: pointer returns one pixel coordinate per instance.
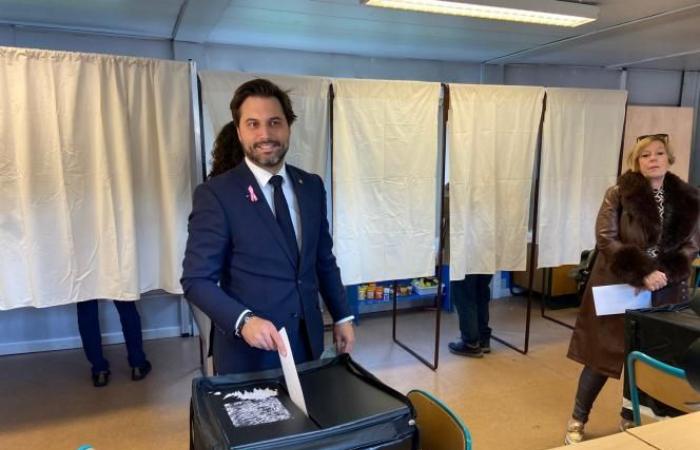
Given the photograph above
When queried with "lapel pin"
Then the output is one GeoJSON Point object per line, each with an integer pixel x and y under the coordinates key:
{"type": "Point", "coordinates": [251, 195]}
{"type": "Point", "coordinates": [301, 181]}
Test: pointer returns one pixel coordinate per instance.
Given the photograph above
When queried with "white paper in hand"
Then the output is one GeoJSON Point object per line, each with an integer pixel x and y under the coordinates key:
{"type": "Point", "coordinates": [616, 298]}
{"type": "Point", "coordinates": [291, 376]}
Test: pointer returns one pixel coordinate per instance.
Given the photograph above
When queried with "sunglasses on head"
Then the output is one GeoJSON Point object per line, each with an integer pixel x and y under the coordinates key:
{"type": "Point", "coordinates": [663, 137]}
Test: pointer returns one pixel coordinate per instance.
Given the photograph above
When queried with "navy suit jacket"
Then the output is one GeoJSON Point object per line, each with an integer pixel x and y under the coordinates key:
{"type": "Point", "coordinates": [237, 259]}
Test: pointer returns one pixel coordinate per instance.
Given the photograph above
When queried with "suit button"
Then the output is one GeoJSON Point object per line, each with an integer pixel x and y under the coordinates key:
{"type": "Point", "coordinates": [295, 315]}
{"type": "Point", "coordinates": [299, 282]}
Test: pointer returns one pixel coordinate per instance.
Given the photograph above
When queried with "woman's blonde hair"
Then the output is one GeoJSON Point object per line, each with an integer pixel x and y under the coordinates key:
{"type": "Point", "coordinates": [642, 143]}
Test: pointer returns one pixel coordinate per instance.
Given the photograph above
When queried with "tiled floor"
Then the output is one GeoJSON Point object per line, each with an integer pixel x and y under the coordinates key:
{"type": "Point", "coordinates": [508, 400]}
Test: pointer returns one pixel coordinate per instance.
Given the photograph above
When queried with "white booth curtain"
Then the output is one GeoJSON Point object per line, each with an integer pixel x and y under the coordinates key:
{"type": "Point", "coordinates": [94, 176]}
{"type": "Point", "coordinates": [581, 142]}
{"type": "Point", "coordinates": [492, 139]}
{"type": "Point", "coordinates": [385, 178]}
{"type": "Point", "coordinates": [308, 147]}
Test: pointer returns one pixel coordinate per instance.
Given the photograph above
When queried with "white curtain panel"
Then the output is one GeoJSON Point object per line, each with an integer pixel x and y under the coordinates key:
{"type": "Point", "coordinates": [94, 176]}
{"type": "Point", "coordinates": [385, 149]}
{"type": "Point", "coordinates": [492, 133]}
{"type": "Point", "coordinates": [580, 151]}
{"type": "Point", "coordinates": [308, 147]}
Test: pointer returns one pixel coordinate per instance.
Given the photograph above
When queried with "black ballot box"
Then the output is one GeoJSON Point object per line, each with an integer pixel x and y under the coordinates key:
{"type": "Point", "coordinates": [348, 408]}
{"type": "Point", "coordinates": [664, 335]}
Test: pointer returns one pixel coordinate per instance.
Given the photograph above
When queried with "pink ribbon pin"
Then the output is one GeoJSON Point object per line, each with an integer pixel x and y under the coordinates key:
{"type": "Point", "coordinates": [251, 194]}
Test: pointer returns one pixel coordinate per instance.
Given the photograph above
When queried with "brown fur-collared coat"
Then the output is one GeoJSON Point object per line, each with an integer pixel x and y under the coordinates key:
{"type": "Point", "coordinates": [628, 223]}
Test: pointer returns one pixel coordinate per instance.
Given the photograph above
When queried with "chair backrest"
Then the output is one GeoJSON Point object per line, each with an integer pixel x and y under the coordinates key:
{"type": "Point", "coordinates": [205, 327]}
{"type": "Point", "coordinates": [438, 427]}
{"type": "Point", "coordinates": [661, 381]}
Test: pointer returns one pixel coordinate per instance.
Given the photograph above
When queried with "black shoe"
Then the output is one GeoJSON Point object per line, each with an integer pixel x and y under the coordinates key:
{"type": "Point", "coordinates": [460, 348]}
{"type": "Point", "coordinates": [485, 347]}
{"type": "Point", "coordinates": [100, 378]}
{"type": "Point", "coordinates": [140, 372]}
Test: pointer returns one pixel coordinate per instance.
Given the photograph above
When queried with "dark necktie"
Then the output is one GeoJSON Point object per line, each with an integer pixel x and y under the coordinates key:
{"type": "Point", "coordinates": [284, 219]}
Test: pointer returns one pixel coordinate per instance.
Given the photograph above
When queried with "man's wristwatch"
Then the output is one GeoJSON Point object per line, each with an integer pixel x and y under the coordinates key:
{"type": "Point", "coordinates": [244, 320]}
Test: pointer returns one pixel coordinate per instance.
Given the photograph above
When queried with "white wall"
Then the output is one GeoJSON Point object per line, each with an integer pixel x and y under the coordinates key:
{"type": "Point", "coordinates": [17, 36]}
{"type": "Point", "coordinates": [52, 328]}
{"type": "Point", "coordinates": [291, 62]}
{"type": "Point", "coordinates": [562, 76]}
{"type": "Point", "coordinates": [26, 330]}
{"type": "Point", "coordinates": [654, 87]}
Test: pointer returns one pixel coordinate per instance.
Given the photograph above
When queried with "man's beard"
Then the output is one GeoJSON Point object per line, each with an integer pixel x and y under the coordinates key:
{"type": "Point", "coordinates": [267, 160]}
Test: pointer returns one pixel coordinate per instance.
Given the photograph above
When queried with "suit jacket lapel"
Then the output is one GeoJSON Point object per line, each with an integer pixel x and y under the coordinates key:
{"type": "Point", "coordinates": [247, 179]}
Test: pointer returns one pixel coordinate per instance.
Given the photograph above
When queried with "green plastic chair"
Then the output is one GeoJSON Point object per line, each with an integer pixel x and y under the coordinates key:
{"type": "Point", "coordinates": [438, 427]}
{"type": "Point", "coordinates": [661, 381]}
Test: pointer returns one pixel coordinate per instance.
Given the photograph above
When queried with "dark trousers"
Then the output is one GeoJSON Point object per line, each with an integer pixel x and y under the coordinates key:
{"type": "Point", "coordinates": [471, 297]}
{"type": "Point", "coordinates": [89, 326]}
{"type": "Point", "coordinates": [590, 383]}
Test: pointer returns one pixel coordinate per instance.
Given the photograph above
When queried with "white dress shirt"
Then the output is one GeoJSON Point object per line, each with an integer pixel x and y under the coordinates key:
{"type": "Point", "coordinates": [262, 176]}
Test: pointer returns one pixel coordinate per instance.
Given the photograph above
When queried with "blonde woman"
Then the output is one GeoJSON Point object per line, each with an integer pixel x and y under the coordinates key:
{"type": "Point", "coordinates": [646, 236]}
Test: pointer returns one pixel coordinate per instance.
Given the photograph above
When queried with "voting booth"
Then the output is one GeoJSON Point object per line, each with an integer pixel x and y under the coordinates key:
{"type": "Point", "coordinates": [348, 408]}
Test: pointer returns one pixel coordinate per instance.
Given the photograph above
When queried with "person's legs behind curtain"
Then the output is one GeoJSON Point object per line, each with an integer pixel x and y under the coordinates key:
{"type": "Point", "coordinates": [131, 327]}
{"type": "Point", "coordinates": [464, 297]}
{"type": "Point", "coordinates": [482, 305]}
{"type": "Point", "coordinates": [91, 337]}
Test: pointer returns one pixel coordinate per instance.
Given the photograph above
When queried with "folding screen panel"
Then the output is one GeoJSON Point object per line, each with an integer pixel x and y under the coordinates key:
{"type": "Point", "coordinates": [492, 132]}
{"type": "Point", "coordinates": [581, 142]}
{"type": "Point", "coordinates": [674, 121]}
{"type": "Point", "coordinates": [385, 179]}
{"type": "Point", "coordinates": [94, 176]}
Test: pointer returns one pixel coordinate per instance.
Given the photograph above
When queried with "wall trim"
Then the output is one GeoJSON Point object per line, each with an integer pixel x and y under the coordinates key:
{"type": "Point", "coordinates": [72, 342]}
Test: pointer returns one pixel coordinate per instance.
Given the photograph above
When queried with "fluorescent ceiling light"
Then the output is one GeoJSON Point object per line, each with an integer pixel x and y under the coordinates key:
{"type": "Point", "coordinates": [544, 12]}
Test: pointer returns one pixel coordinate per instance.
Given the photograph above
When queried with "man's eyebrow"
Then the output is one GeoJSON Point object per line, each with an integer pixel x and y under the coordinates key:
{"type": "Point", "coordinates": [269, 118]}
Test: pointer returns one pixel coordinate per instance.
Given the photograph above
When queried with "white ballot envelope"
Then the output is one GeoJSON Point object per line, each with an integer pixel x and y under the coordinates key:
{"type": "Point", "coordinates": [616, 298]}
{"type": "Point", "coordinates": [291, 376]}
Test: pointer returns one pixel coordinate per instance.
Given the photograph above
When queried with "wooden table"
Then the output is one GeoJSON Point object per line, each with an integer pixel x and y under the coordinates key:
{"type": "Point", "coordinates": [619, 441]}
{"type": "Point", "coordinates": [679, 433]}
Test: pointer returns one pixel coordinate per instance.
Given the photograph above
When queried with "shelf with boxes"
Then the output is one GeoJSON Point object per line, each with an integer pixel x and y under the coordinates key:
{"type": "Point", "coordinates": [410, 293]}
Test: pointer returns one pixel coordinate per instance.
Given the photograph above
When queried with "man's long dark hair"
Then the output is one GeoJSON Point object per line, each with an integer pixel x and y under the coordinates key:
{"type": "Point", "coordinates": [228, 152]}
{"type": "Point", "coordinates": [261, 87]}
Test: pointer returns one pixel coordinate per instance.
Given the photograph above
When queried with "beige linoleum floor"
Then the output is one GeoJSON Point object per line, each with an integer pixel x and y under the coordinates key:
{"type": "Point", "coordinates": [508, 400]}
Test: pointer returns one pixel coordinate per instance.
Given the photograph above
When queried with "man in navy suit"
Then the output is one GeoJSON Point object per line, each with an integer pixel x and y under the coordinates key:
{"type": "Point", "coordinates": [259, 250]}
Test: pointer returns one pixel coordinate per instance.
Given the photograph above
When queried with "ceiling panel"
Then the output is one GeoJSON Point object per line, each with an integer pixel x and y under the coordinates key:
{"type": "Point", "coordinates": [627, 45]}
{"type": "Point", "coordinates": [256, 27]}
{"type": "Point", "coordinates": [687, 62]}
{"type": "Point", "coordinates": [347, 27]}
{"type": "Point", "coordinates": [147, 18]}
